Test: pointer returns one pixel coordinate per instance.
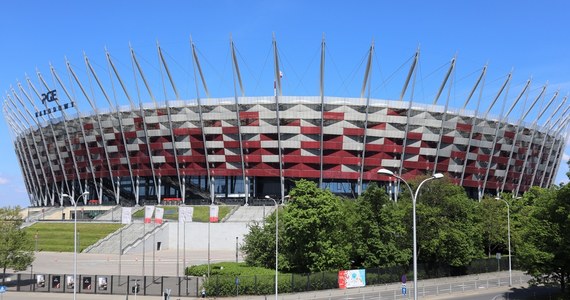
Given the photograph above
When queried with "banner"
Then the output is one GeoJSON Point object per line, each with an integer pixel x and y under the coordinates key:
{"type": "Point", "coordinates": [214, 213]}
{"type": "Point", "coordinates": [126, 215]}
{"type": "Point", "coordinates": [351, 278]}
{"type": "Point", "coordinates": [185, 214]}
{"type": "Point", "coordinates": [158, 215]}
{"type": "Point", "coordinates": [148, 210]}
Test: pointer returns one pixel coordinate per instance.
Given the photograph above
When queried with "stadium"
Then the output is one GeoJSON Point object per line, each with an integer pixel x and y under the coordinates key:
{"type": "Point", "coordinates": [108, 134]}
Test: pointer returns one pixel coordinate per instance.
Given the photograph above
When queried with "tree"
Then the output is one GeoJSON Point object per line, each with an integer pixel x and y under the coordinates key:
{"type": "Point", "coordinates": [257, 242]}
{"type": "Point", "coordinates": [16, 247]}
{"type": "Point", "coordinates": [544, 249]}
{"type": "Point", "coordinates": [493, 224]}
{"type": "Point", "coordinates": [449, 230]}
{"type": "Point", "coordinates": [381, 237]}
{"type": "Point", "coordinates": [314, 234]}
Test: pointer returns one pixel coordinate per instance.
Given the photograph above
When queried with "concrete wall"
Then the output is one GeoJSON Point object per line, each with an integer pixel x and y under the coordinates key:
{"type": "Point", "coordinates": [222, 237]}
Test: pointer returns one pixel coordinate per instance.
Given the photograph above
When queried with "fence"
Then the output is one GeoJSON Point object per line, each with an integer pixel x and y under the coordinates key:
{"type": "Point", "coordinates": [105, 284]}
{"type": "Point", "coordinates": [228, 285]}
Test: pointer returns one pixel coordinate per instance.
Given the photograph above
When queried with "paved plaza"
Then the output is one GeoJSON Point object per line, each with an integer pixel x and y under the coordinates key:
{"type": "Point", "coordinates": [159, 263]}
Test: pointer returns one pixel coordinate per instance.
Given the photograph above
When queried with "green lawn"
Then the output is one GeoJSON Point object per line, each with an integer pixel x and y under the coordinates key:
{"type": "Point", "coordinates": [201, 212]}
{"type": "Point", "coordinates": [58, 237]}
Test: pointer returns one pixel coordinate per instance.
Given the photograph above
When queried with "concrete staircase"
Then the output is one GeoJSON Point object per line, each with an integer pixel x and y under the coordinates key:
{"type": "Point", "coordinates": [246, 214]}
{"type": "Point", "coordinates": [43, 214]}
{"type": "Point", "coordinates": [114, 214]}
{"type": "Point", "coordinates": [123, 239]}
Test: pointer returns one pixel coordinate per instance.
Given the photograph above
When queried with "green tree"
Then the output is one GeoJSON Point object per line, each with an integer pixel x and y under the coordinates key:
{"type": "Point", "coordinates": [381, 238]}
{"type": "Point", "coordinates": [493, 224]}
{"type": "Point", "coordinates": [544, 246]}
{"type": "Point", "coordinates": [16, 247]}
{"type": "Point", "coordinates": [449, 226]}
{"type": "Point", "coordinates": [316, 231]}
{"type": "Point", "coordinates": [256, 243]}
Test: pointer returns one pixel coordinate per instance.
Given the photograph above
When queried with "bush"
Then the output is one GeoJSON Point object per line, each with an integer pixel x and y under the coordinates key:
{"type": "Point", "coordinates": [258, 281]}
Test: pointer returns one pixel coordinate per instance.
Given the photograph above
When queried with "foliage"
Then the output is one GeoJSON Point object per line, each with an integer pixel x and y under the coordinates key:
{"type": "Point", "coordinates": [493, 224]}
{"type": "Point", "coordinates": [381, 238]}
{"type": "Point", "coordinates": [58, 237]}
{"type": "Point", "coordinates": [319, 231]}
{"type": "Point", "coordinates": [314, 234]}
{"type": "Point", "coordinates": [228, 268]}
{"type": "Point", "coordinates": [544, 250]}
{"type": "Point", "coordinates": [258, 281]}
{"type": "Point", "coordinates": [16, 246]}
{"type": "Point", "coordinates": [257, 242]}
{"type": "Point", "coordinates": [449, 230]}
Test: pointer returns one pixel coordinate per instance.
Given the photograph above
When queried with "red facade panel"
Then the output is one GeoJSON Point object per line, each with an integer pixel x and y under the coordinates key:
{"type": "Point", "coordinates": [463, 127]}
{"type": "Point", "coordinates": [329, 115]}
{"type": "Point", "coordinates": [447, 139]}
{"type": "Point", "coordinates": [230, 130]}
{"type": "Point", "coordinates": [310, 145]}
{"type": "Point", "coordinates": [330, 145]}
{"type": "Point", "coordinates": [310, 130]}
{"type": "Point", "coordinates": [249, 115]}
{"type": "Point", "coordinates": [353, 131]}
{"type": "Point", "coordinates": [415, 135]}
{"type": "Point", "coordinates": [231, 144]}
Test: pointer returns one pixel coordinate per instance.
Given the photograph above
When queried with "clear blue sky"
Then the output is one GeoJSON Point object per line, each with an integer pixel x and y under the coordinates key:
{"type": "Point", "coordinates": [530, 37]}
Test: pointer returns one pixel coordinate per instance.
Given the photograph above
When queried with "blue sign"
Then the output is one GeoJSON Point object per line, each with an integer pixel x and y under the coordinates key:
{"type": "Point", "coordinates": [404, 290]}
{"type": "Point", "coordinates": [3, 289]}
{"type": "Point", "coordinates": [237, 280]}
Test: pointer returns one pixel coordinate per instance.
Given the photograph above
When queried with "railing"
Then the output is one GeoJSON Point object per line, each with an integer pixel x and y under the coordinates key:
{"type": "Point", "coordinates": [187, 286]}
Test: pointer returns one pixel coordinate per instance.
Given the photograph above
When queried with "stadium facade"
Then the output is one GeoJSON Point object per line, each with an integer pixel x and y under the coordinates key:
{"type": "Point", "coordinates": [244, 148]}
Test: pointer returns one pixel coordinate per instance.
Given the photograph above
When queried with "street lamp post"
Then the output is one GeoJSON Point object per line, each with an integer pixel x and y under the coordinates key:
{"type": "Point", "coordinates": [414, 198]}
{"type": "Point", "coordinates": [276, 244]}
{"type": "Point", "coordinates": [75, 240]}
{"type": "Point", "coordinates": [508, 237]}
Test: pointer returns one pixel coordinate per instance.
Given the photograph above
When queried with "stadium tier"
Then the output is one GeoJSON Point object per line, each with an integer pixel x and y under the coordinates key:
{"type": "Point", "coordinates": [244, 148]}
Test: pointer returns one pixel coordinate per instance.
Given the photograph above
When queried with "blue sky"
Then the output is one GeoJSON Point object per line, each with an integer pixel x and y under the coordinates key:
{"type": "Point", "coordinates": [529, 37]}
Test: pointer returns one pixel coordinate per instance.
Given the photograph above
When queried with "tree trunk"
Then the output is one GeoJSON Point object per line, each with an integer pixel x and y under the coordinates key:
{"type": "Point", "coordinates": [4, 275]}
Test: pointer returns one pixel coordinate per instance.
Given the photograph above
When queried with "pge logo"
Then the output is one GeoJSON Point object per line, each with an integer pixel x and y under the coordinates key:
{"type": "Point", "coordinates": [49, 96]}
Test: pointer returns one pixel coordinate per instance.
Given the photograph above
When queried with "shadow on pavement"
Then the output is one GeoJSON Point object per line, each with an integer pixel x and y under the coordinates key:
{"type": "Point", "coordinates": [534, 292]}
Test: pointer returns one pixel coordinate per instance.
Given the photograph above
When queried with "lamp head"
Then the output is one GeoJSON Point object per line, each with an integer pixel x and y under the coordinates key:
{"type": "Point", "coordinates": [85, 193]}
{"type": "Point", "coordinates": [385, 172]}
{"type": "Point", "coordinates": [437, 175]}
{"type": "Point", "coordinates": [267, 197]}
{"type": "Point", "coordinates": [65, 195]}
